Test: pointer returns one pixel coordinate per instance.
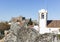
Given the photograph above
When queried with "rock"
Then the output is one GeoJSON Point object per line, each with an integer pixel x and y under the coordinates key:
{"type": "Point", "coordinates": [44, 38]}
{"type": "Point", "coordinates": [21, 34]}
{"type": "Point", "coordinates": [14, 28]}
{"type": "Point", "coordinates": [27, 34]}
{"type": "Point", "coordinates": [12, 36]}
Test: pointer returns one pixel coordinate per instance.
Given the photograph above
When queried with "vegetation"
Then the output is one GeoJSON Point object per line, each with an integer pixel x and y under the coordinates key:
{"type": "Point", "coordinates": [4, 26]}
{"type": "Point", "coordinates": [30, 22]}
{"type": "Point", "coordinates": [23, 18]}
{"type": "Point", "coordinates": [58, 36]}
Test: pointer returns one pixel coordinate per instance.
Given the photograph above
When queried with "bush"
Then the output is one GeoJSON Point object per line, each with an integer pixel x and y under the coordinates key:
{"type": "Point", "coordinates": [58, 36]}
{"type": "Point", "coordinates": [4, 26]}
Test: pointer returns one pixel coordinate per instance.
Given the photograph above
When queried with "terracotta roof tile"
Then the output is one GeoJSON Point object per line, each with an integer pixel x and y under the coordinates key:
{"type": "Point", "coordinates": [53, 23]}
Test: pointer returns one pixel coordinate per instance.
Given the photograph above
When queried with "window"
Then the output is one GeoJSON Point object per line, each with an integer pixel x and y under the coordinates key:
{"type": "Point", "coordinates": [42, 16]}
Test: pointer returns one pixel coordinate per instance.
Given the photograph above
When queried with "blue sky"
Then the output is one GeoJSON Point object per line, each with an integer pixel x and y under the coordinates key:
{"type": "Point", "coordinates": [29, 8]}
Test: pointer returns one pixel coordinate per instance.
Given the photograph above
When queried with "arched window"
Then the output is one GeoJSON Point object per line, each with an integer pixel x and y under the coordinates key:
{"type": "Point", "coordinates": [42, 16]}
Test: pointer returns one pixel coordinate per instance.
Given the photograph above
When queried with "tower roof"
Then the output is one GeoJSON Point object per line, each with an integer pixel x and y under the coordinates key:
{"type": "Point", "coordinates": [43, 11]}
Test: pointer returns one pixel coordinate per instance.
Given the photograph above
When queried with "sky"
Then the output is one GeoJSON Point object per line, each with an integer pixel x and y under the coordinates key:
{"type": "Point", "coordinates": [29, 9]}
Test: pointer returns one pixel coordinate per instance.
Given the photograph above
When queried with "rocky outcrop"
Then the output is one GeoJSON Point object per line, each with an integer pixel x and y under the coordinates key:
{"type": "Point", "coordinates": [12, 33]}
{"type": "Point", "coordinates": [43, 38]}
{"type": "Point", "coordinates": [27, 35]}
{"type": "Point", "coordinates": [21, 34]}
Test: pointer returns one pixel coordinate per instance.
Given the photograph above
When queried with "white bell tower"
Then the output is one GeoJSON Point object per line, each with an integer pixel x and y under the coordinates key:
{"type": "Point", "coordinates": [42, 20]}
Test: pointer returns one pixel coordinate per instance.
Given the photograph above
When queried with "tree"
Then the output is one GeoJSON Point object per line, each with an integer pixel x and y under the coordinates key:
{"type": "Point", "coordinates": [30, 22]}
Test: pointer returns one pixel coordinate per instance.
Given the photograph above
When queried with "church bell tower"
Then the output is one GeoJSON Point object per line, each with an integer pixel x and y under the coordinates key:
{"type": "Point", "coordinates": [42, 19]}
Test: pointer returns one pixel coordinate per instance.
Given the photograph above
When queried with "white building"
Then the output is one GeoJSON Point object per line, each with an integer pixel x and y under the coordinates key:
{"type": "Point", "coordinates": [47, 26]}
